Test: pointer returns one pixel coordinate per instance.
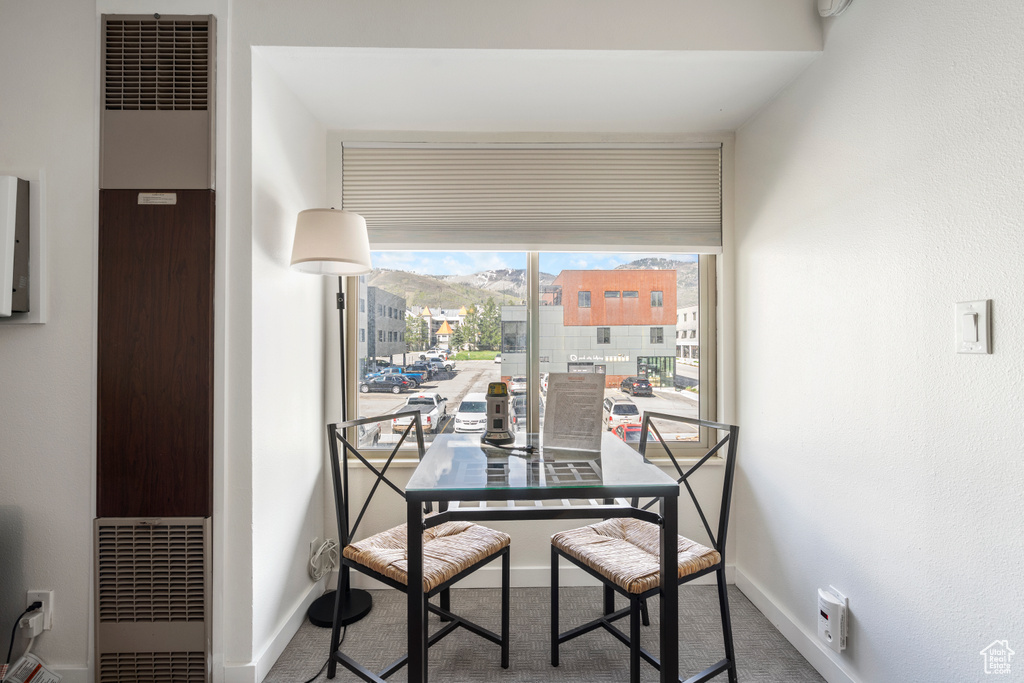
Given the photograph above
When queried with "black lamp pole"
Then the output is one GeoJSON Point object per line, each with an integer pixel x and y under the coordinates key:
{"type": "Point", "coordinates": [356, 602]}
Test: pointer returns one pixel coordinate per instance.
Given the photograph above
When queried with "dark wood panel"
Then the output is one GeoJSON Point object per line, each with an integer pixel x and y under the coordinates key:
{"type": "Point", "coordinates": [155, 356]}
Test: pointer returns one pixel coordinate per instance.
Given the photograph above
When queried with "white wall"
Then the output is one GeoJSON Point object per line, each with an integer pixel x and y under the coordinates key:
{"type": "Point", "coordinates": [876, 191]}
{"type": "Point", "coordinates": [288, 378]}
{"type": "Point", "coordinates": [47, 390]}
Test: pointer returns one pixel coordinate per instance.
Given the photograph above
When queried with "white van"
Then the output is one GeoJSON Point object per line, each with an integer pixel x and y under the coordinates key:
{"type": "Point", "coordinates": [618, 411]}
{"type": "Point", "coordinates": [472, 414]}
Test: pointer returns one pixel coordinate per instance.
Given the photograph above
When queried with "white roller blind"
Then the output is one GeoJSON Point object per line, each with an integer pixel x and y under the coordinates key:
{"type": "Point", "coordinates": [536, 197]}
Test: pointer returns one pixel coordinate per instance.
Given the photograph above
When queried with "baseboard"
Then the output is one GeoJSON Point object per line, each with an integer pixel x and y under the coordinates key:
{"type": "Point", "coordinates": [256, 671]}
{"type": "Point", "coordinates": [807, 644]}
{"type": "Point", "coordinates": [528, 577]}
{"type": "Point", "coordinates": [72, 675]}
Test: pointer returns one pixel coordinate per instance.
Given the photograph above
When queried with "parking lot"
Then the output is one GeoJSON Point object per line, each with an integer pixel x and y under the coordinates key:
{"type": "Point", "coordinates": [474, 376]}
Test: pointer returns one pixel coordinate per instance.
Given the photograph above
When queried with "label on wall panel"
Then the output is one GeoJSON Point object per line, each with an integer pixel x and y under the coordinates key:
{"type": "Point", "coordinates": [158, 198]}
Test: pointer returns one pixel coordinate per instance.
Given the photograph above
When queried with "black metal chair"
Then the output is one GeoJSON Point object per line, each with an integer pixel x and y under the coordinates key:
{"type": "Point", "coordinates": [624, 555]}
{"type": "Point", "coordinates": [452, 551]}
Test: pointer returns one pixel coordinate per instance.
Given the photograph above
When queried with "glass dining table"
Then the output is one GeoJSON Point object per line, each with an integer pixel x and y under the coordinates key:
{"type": "Point", "coordinates": [562, 483]}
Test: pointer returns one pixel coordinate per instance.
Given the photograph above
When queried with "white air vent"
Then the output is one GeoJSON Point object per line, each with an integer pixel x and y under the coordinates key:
{"type": "Point", "coordinates": [156, 64]}
{"type": "Point", "coordinates": [158, 101]}
{"type": "Point", "coordinates": [152, 599]}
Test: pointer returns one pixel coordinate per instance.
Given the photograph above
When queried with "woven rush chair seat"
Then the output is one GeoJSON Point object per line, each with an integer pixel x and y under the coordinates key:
{"type": "Point", "coordinates": [625, 551]}
{"type": "Point", "coordinates": [448, 549]}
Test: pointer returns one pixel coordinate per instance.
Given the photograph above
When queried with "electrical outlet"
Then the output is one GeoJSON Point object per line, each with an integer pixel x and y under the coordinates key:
{"type": "Point", "coordinates": [45, 597]}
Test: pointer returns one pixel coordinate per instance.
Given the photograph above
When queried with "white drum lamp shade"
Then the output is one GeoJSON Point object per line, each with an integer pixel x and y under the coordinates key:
{"type": "Point", "coordinates": [331, 242]}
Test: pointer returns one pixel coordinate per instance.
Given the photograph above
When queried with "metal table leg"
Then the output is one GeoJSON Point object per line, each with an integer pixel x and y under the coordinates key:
{"type": "Point", "coordinates": [417, 617]}
{"type": "Point", "coordinates": [669, 603]}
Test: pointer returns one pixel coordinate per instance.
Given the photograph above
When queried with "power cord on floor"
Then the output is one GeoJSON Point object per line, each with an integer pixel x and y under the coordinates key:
{"type": "Point", "coordinates": [343, 630]}
{"type": "Point", "coordinates": [14, 632]}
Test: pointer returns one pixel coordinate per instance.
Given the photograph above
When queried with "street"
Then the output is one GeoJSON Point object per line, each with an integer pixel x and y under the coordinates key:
{"type": "Point", "coordinates": [474, 376]}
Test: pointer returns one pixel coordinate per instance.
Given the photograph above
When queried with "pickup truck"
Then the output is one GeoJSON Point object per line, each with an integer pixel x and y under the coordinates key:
{"type": "Point", "coordinates": [417, 377]}
{"type": "Point", "coordinates": [441, 363]}
{"type": "Point", "coordinates": [433, 411]}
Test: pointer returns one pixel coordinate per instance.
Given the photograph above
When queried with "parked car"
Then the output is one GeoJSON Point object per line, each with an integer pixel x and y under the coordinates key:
{"type": "Point", "coordinates": [497, 358]}
{"type": "Point", "coordinates": [433, 412]}
{"type": "Point", "coordinates": [421, 368]}
{"type": "Point", "coordinates": [630, 433]}
{"type": "Point", "coordinates": [517, 385]}
{"type": "Point", "coordinates": [442, 362]}
{"type": "Point", "coordinates": [396, 384]}
{"type": "Point", "coordinates": [415, 375]}
{"type": "Point", "coordinates": [369, 434]}
{"type": "Point", "coordinates": [619, 411]}
{"type": "Point", "coordinates": [636, 386]}
{"type": "Point", "coordinates": [517, 411]}
{"type": "Point", "coordinates": [472, 414]}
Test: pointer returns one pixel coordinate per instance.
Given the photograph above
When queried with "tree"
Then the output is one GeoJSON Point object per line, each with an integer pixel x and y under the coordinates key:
{"type": "Point", "coordinates": [471, 328]}
{"type": "Point", "coordinates": [415, 333]}
{"type": "Point", "coordinates": [490, 326]}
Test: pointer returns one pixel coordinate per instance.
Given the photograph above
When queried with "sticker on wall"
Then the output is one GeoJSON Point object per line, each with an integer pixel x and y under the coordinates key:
{"type": "Point", "coordinates": [153, 198]}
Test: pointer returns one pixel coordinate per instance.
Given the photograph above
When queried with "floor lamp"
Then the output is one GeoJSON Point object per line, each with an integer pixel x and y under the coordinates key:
{"type": "Point", "coordinates": [333, 242]}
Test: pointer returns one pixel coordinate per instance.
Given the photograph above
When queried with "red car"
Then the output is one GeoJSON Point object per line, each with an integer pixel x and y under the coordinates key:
{"type": "Point", "coordinates": [630, 433]}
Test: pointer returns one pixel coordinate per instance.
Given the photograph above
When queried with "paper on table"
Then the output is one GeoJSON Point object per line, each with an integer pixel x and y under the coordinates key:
{"type": "Point", "coordinates": [572, 415]}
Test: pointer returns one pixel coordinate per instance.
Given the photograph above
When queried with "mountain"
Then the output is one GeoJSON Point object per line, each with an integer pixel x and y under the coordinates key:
{"type": "Point", "coordinates": [502, 280]}
{"type": "Point", "coordinates": [506, 285]}
{"type": "Point", "coordinates": [449, 291]}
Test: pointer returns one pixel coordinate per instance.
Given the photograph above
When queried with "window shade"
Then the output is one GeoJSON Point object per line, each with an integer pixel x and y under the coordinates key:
{"type": "Point", "coordinates": [536, 197]}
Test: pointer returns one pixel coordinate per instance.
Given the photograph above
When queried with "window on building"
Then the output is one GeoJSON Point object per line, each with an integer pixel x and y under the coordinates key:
{"type": "Point", "coordinates": [380, 335]}
{"type": "Point", "coordinates": [630, 294]}
{"type": "Point", "coordinates": [604, 335]}
{"type": "Point", "coordinates": [380, 309]}
{"type": "Point", "coordinates": [583, 300]}
{"type": "Point", "coordinates": [513, 336]}
{"type": "Point", "coordinates": [362, 334]}
{"type": "Point", "coordinates": [693, 334]}
{"type": "Point", "coordinates": [657, 299]}
{"type": "Point", "coordinates": [611, 294]}
{"type": "Point", "coordinates": [657, 335]}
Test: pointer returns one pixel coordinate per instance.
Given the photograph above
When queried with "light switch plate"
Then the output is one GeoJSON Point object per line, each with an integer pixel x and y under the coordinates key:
{"type": "Point", "coordinates": [973, 327]}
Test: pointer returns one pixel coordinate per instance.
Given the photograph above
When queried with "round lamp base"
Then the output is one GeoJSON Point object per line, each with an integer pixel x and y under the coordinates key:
{"type": "Point", "coordinates": [357, 605]}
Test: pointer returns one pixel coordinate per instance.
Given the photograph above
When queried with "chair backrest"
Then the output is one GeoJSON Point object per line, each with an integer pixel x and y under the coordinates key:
{"type": "Point", "coordinates": [727, 441]}
{"type": "Point", "coordinates": [339, 466]}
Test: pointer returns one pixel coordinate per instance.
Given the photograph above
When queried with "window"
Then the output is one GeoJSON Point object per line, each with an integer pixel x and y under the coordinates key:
{"type": "Point", "coordinates": [380, 335]}
{"type": "Point", "coordinates": [513, 336]}
{"type": "Point", "coordinates": [380, 310]}
{"type": "Point", "coordinates": [657, 299]}
{"type": "Point", "coordinates": [693, 334]}
{"type": "Point", "coordinates": [635, 341]}
{"type": "Point", "coordinates": [362, 335]}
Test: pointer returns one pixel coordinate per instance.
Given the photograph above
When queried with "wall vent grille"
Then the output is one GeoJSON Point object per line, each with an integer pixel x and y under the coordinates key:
{"type": "Point", "coordinates": [157, 64]}
{"type": "Point", "coordinates": [151, 573]}
{"type": "Point", "coordinates": [158, 667]}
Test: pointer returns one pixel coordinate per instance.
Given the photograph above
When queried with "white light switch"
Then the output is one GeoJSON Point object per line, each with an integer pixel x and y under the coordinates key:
{"type": "Point", "coordinates": [970, 324]}
{"type": "Point", "coordinates": [973, 328]}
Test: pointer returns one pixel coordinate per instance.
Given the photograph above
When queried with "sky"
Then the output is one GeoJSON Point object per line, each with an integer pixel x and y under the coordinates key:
{"type": "Point", "coordinates": [466, 262]}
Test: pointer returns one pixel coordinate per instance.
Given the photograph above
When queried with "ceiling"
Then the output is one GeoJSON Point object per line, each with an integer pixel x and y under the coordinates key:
{"type": "Point", "coordinates": [558, 91]}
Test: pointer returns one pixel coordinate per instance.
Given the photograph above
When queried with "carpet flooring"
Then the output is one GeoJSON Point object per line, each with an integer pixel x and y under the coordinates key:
{"type": "Point", "coordinates": [762, 654]}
